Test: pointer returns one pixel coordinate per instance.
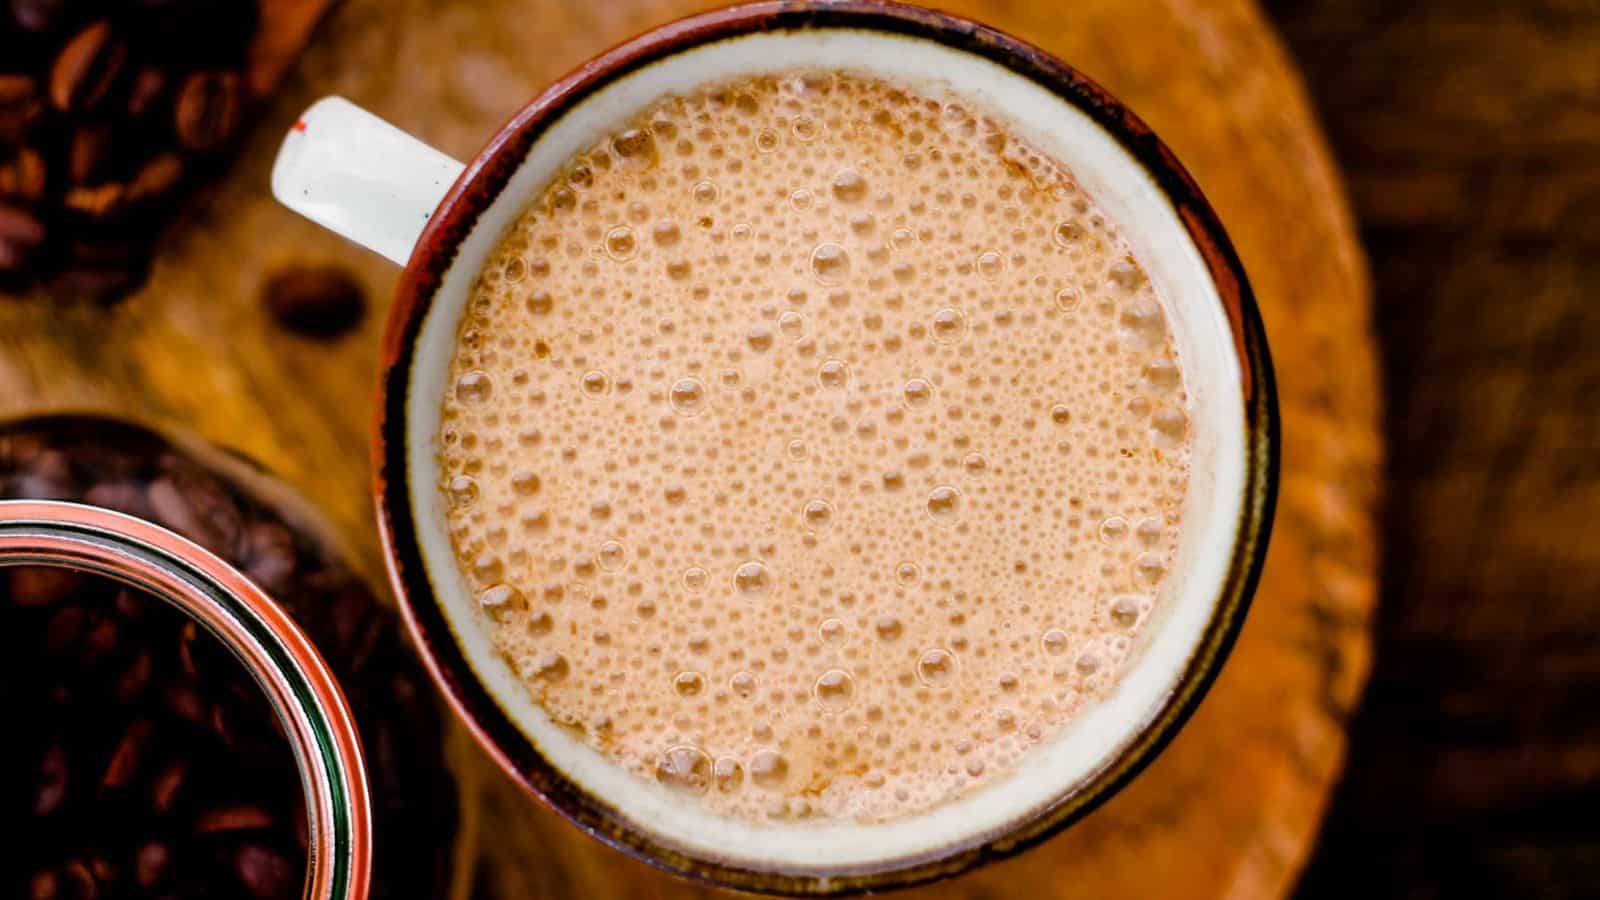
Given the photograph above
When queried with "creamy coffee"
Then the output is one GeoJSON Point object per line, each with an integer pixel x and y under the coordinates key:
{"type": "Point", "coordinates": [816, 447]}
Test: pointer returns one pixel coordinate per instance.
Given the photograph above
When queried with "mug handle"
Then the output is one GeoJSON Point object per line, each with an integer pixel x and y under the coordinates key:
{"type": "Point", "coordinates": [355, 174]}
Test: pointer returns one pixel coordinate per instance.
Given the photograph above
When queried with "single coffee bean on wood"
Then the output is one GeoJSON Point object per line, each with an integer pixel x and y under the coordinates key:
{"type": "Point", "coordinates": [151, 765]}
{"type": "Point", "coordinates": [314, 300]}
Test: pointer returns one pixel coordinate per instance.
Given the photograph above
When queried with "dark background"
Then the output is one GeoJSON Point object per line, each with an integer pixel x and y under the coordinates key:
{"type": "Point", "coordinates": [1469, 134]}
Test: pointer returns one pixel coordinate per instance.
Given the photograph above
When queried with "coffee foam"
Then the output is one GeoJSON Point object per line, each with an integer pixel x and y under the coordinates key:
{"type": "Point", "coordinates": [816, 447]}
{"type": "Point", "coordinates": [817, 846]}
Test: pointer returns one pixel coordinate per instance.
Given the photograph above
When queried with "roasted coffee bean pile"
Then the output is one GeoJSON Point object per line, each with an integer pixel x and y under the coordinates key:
{"type": "Point", "coordinates": [142, 760]}
{"type": "Point", "coordinates": [147, 762]}
{"type": "Point", "coordinates": [108, 110]}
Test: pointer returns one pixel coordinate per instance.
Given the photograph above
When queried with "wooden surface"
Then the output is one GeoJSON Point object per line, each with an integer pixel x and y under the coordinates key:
{"type": "Point", "coordinates": [1231, 808]}
{"type": "Point", "coordinates": [1470, 130]}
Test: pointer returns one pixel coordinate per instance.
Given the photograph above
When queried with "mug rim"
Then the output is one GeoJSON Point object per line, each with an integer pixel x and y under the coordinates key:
{"type": "Point", "coordinates": [482, 182]}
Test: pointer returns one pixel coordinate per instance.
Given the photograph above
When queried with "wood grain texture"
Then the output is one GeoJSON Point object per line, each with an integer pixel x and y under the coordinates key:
{"type": "Point", "coordinates": [1230, 809]}
{"type": "Point", "coordinates": [1471, 133]}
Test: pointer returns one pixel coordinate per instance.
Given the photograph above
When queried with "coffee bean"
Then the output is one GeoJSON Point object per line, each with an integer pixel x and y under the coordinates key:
{"type": "Point", "coordinates": [233, 818]}
{"type": "Point", "coordinates": [100, 643]}
{"type": "Point", "coordinates": [48, 477]}
{"type": "Point", "coordinates": [104, 869]}
{"type": "Point", "coordinates": [79, 882]}
{"type": "Point", "coordinates": [126, 758]}
{"type": "Point", "coordinates": [186, 661]}
{"type": "Point", "coordinates": [50, 788]}
{"type": "Point", "coordinates": [40, 15]}
{"type": "Point", "coordinates": [51, 470]}
{"type": "Point", "coordinates": [21, 106]}
{"type": "Point", "coordinates": [97, 203]}
{"type": "Point", "coordinates": [135, 678]}
{"type": "Point", "coordinates": [128, 604]}
{"type": "Point", "coordinates": [265, 873]}
{"type": "Point", "coordinates": [208, 110]}
{"type": "Point", "coordinates": [156, 179]}
{"type": "Point", "coordinates": [65, 627]}
{"type": "Point", "coordinates": [222, 726]}
{"type": "Point", "coordinates": [164, 789]}
{"type": "Point", "coordinates": [314, 300]}
{"type": "Point", "coordinates": [122, 496]}
{"type": "Point", "coordinates": [13, 263]}
{"type": "Point", "coordinates": [88, 68]}
{"type": "Point", "coordinates": [148, 87]}
{"type": "Point", "coordinates": [269, 556]}
{"type": "Point", "coordinates": [41, 585]}
{"type": "Point", "coordinates": [23, 178]}
{"type": "Point", "coordinates": [150, 863]}
{"type": "Point", "coordinates": [20, 235]}
{"type": "Point", "coordinates": [14, 258]}
{"type": "Point", "coordinates": [18, 228]}
{"type": "Point", "coordinates": [186, 703]}
{"type": "Point", "coordinates": [45, 885]}
{"type": "Point", "coordinates": [90, 148]}
{"type": "Point", "coordinates": [195, 505]}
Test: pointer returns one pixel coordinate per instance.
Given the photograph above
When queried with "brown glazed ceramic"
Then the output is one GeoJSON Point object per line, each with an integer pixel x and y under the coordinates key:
{"type": "Point", "coordinates": [482, 182]}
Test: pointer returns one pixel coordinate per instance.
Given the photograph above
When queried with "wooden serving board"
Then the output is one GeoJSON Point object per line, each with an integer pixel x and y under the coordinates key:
{"type": "Point", "coordinates": [1232, 807]}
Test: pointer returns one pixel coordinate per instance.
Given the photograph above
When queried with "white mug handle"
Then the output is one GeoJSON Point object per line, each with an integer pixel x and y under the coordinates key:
{"type": "Point", "coordinates": [355, 174]}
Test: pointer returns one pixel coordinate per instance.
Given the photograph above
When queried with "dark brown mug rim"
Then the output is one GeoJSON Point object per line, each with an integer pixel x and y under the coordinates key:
{"type": "Point", "coordinates": [487, 175]}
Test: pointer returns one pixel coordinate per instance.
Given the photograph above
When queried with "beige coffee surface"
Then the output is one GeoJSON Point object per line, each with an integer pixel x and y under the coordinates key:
{"type": "Point", "coordinates": [816, 447]}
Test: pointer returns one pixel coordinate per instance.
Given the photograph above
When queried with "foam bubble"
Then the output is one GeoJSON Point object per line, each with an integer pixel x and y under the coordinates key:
{"type": "Point", "coordinates": [688, 397]}
{"type": "Point", "coordinates": [944, 503]}
{"type": "Point", "coordinates": [936, 666]}
{"type": "Point", "coordinates": [473, 387]}
{"type": "Point", "coordinates": [835, 688]}
{"type": "Point", "coordinates": [830, 263]}
{"type": "Point", "coordinates": [684, 768]}
{"type": "Point", "coordinates": [752, 579]}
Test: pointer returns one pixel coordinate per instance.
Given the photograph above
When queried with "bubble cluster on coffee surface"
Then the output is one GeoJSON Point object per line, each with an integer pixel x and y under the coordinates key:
{"type": "Point", "coordinates": [814, 447]}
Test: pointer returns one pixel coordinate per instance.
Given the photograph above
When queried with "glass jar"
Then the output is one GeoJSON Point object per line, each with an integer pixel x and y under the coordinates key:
{"type": "Point", "coordinates": [213, 535]}
{"type": "Point", "coordinates": [275, 652]}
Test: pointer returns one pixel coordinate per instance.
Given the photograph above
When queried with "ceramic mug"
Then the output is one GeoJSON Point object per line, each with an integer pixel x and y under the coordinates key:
{"type": "Point", "coordinates": [373, 184]}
